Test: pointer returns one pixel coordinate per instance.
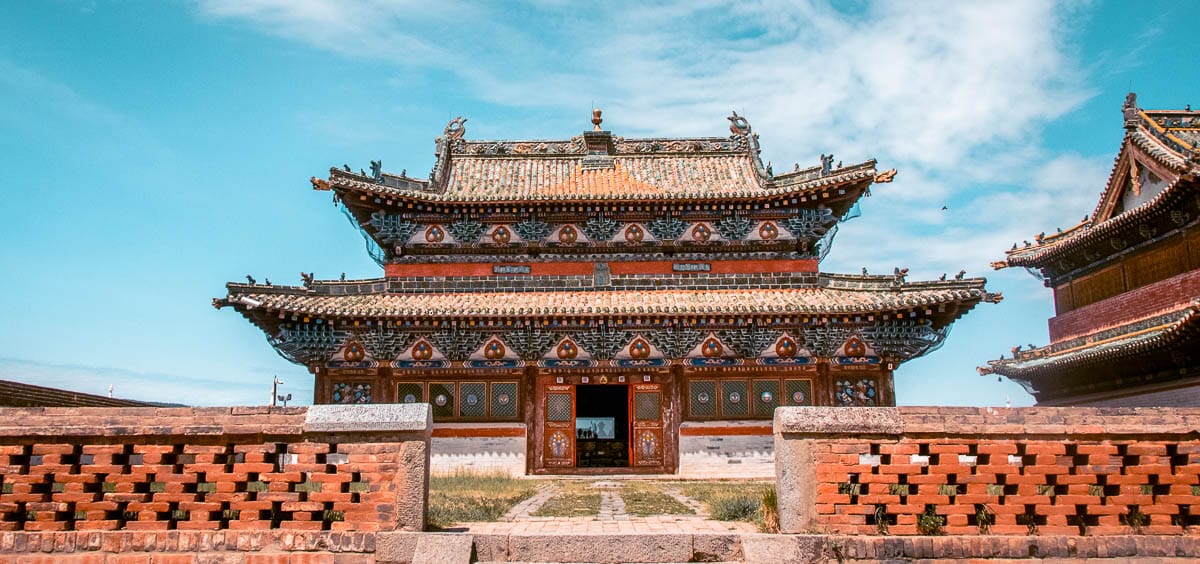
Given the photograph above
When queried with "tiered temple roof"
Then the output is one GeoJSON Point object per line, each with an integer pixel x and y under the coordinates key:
{"type": "Point", "coordinates": [1170, 138]}
{"type": "Point", "coordinates": [603, 235]}
{"type": "Point", "coordinates": [839, 295]}
{"type": "Point", "coordinates": [1139, 247]}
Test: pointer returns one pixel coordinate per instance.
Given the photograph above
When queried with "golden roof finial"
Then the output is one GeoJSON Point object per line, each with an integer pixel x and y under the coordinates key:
{"type": "Point", "coordinates": [596, 119]}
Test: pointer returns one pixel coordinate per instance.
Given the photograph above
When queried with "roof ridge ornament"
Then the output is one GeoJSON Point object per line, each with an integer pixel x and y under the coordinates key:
{"type": "Point", "coordinates": [1131, 111]}
{"type": "Point", "coordinates": [456, 128]}
{"type": "Point", "coordinates": [738, 125]}
{"type": "Point", "coordinates": [596, 119]}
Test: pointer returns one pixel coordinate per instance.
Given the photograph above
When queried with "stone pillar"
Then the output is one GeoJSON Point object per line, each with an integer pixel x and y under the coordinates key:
{"type": "Point", "coordinates": [396, 433]}
{"type": "Point", "coordinates": [798, 430]}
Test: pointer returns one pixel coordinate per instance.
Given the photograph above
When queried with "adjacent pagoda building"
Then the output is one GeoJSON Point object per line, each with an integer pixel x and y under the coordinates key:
{"type": "Point", "coordinates": [588, 297]}
{"type": "Point", "coordinates": [1126, 280]}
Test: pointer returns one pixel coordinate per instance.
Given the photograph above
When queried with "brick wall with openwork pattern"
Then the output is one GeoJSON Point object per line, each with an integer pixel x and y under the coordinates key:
{"type": "Point", "coordinates": [1048, 471]}
{"type": "Point", "coordinates": [147, 469]}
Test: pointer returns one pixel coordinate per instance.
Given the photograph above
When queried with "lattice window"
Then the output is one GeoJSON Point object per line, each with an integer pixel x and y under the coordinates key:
{"type": "Point", "coordinates": [351, 392]}
{"type": "Point", "coordinates": [797, 392]}
{"type": "Point", "coordinates": [504, 399]}
{"type": "Point", "coordinates": [558, 407]}
{"type": "Point", "coordinates": [473, 399]}
{"type": "Point", "coordinates": [646, 406]}
{"type": "Point", "coordinates": [441, 396]}
{"type": "Point", "coordinates": [410, 393]}
{"type": "Point", "coordinates": [702, 398]}
{"type": "Point", "coordinates": [734, 402]}
{"type": "Point", "coordinates": [766, 397]}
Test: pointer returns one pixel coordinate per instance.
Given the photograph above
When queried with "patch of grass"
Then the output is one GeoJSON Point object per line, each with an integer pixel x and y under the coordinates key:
{"type": "Point", "coordinates": [929, 522]}
{"type": "Point", "coordinates": [574, 499]}
{"type": "Point", "coordinates": [465, 497]}
{"type": "Point", "coordinates": [647, 498]}
{"type": "Point", "coordinates": [770, 510]}
{"type": "Point", "coordinates": [734, 501]}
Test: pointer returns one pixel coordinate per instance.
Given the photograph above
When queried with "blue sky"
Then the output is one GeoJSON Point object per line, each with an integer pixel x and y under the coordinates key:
{"type": "Point", "coordinates": [156, 150]}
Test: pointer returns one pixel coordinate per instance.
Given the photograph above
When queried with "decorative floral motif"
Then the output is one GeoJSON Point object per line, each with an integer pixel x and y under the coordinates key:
{"type": "Point", "coordinates": [712, 348]}
{"type": "Point", "coordinates": [768, 231]}
{"type": "Point", "coordinates": [648, 444]}
{"type": "Point", "coordinates": [856, 394]}
{"type": "Point", "coordinates": [786, 347]}
{"type": "Point", "coordinates": [494, 350]}
{"type": "Point", "coordinates": [466, 230]}
{"type": "Point", "coordinates": [639, 349]}
{"type": "Point", "coordinates": [855, 347]}
{"type": "Point", "coordinates": [767, 397]}
{"type": "Point", "coordinates": [567, 350]}
{"type": "Point", "coordinates": [601, 228]}
{"type": "Point", "coordinates": [559, 444]}
{"type": "Point", "coordinates": [435, 234]}
{"type": "Point", "coordinates": [422, 350]}
{"type": "Point", "coordinates": [734, 228]}
{"type": "Point", "coordinates": [567, 234]}
{"type": "Point", "coordinates": [701, 232]}
{"type": "Point", "coordinates": [501, 235]}
{"type": "Point", "coordinates": [634, 233]}
{"type": "Point", "coordinates": [354, 352]}
{"type": "Point", "coordinates": [351, 392]}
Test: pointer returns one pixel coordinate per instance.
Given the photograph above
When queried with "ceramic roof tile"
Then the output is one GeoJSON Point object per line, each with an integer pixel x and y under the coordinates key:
{"type": "Point", "coordinates": [809, 301]}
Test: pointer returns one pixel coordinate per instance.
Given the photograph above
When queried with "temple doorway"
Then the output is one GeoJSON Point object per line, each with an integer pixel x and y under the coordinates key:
{"type": "Point", "coordinates": [605, 424]}
{"type": "Point", "coordinates": [602, 426]}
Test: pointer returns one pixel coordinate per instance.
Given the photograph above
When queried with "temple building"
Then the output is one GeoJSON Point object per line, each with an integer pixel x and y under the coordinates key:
{"type": "Point", "coordinates": [1126, 280]}
{"type": "Point", "coordinates": [603, 304]}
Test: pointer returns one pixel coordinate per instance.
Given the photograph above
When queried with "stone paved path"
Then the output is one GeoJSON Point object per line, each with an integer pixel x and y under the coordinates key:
{"type": "Point", "coordinates": [612, 517]}
{"type": "Point", "coordinates": [523, 510]}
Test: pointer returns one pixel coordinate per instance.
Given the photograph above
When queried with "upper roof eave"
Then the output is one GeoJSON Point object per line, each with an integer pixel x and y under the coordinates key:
{"type": "Point", "coordinates": [789, 185]}
{"type": "Point", "coordinates": [1145, 137]}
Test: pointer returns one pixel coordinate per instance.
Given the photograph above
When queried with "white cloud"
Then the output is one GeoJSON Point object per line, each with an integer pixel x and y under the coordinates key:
{"type": "Point", "coordinates": [954, 95]}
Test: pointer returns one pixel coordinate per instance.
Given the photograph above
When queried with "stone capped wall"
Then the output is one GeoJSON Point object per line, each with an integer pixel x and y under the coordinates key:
{"type": "Point", "coordinates": [970, 471]}
{"type": "Point", "coordinates": [335, 468]}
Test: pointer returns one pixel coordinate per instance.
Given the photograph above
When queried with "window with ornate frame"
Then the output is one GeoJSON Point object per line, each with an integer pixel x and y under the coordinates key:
{"type": "Point", "coordinates": [750, 397]}
{"type": "Point", "coordinates": [466, 400]}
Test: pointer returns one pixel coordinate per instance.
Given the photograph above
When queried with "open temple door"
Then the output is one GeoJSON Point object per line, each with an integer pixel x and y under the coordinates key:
{"type": "Point", "coordinates": [646, 436]}
{"type": "Point", "coordinates": [559, 435]}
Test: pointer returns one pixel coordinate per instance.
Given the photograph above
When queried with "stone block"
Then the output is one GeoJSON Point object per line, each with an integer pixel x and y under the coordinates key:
{"type": "Point", "coordinates": [412, 417]}
{"type": "Point", "coordinates": [799, 420]}
{"type": "Point", "coordinates": [443, 548]}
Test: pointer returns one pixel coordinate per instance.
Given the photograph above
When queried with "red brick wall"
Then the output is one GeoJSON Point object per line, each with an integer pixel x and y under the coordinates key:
{"type": "Point", "coordinates": [1131, 305]}
{"type": "Point", "coordinates": [1065, 471]}
{"type": "Point", "coordinates": [238, 469]}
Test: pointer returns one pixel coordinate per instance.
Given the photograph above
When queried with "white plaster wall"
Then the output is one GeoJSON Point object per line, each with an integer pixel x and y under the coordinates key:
{"type": "Point", "coordinates": [477, 454]}
{"type": "Point", "coordinates": [725, 455]}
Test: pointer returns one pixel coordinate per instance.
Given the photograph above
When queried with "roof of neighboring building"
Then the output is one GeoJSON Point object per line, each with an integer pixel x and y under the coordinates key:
{"type": "Point", "coordinates": [1170, 138]}
{"type": "Point", "coordinates": [20, 394]}
{"type": "Point", "coordinates": [841, 294]}
{"type": "Point", "coordinates": [1159, 332]}
{"type": "Point", "coordinates": [626, 169]}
